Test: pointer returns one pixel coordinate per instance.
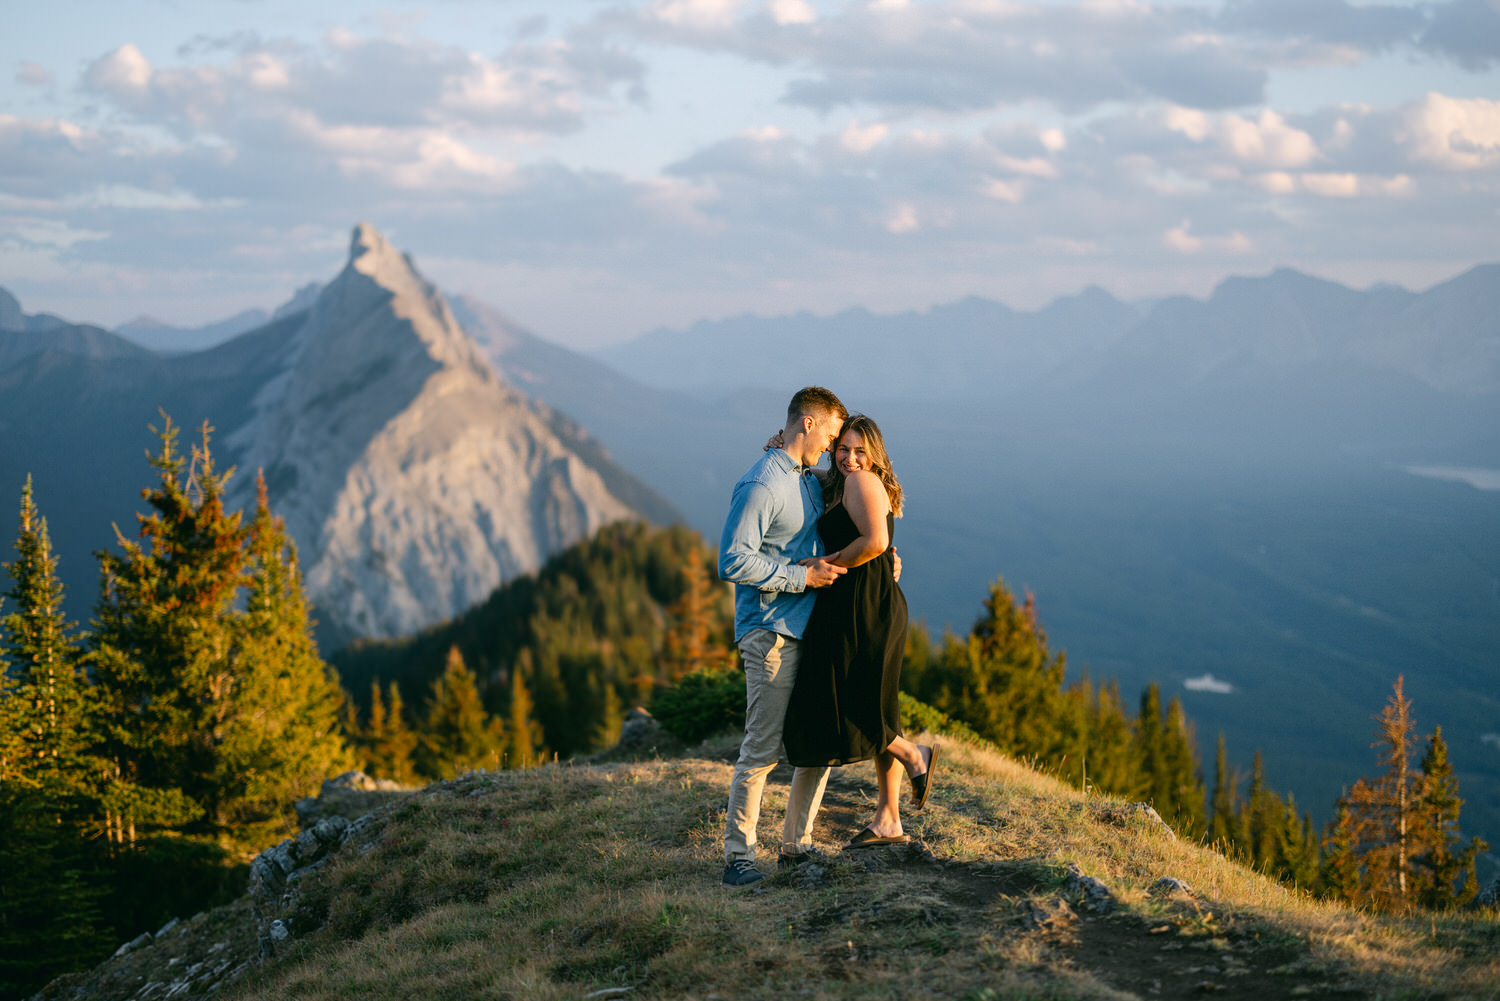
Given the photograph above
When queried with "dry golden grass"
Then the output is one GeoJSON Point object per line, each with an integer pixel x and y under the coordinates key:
{"type": "Point", "coordinates": [568, 881]}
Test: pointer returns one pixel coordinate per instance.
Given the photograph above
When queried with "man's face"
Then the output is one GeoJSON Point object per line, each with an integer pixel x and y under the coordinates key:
{"type": "Point", "coordinates": [820, 439]}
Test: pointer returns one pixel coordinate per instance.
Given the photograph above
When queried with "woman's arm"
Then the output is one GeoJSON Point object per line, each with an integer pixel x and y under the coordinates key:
{"type": "Point", "coordinates": [866, 500]}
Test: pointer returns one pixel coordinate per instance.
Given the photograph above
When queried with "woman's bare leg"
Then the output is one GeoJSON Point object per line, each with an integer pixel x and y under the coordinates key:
{"type": "Point", "coordinates": [887, 822]}
{"type": "Point", "coordinates": [910, 755]}
{"type": "Point", "coordinates": [900, 755]}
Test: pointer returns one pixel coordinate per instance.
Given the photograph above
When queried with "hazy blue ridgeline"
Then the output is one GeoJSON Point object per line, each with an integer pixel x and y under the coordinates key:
{"type": "Point", "coordinates": [1256, 523]}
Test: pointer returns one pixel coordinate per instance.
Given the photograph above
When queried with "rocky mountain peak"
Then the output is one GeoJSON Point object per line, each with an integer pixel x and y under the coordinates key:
{"type": "Point", "coordinates": [413, 479]}
{"type": "Point", "coordinates": [379, 281]}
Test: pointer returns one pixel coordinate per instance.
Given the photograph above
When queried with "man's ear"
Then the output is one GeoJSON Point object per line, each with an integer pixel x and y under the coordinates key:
{"type": "Point", "coordinates": [808, 423]}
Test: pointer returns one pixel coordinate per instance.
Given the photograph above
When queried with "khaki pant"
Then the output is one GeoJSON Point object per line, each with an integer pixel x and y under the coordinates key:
{"type": "Point", "coordinates": [770, 671]}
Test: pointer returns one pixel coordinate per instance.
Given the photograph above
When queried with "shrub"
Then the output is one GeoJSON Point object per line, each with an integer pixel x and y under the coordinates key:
{"type": "Point", "coordinates": [702, 704]}
{"type": "Point", "coordinates": [917, 716]}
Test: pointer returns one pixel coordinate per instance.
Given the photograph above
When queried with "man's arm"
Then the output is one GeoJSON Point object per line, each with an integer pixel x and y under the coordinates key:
{"type": "Point", "coordinates": [740, 558]}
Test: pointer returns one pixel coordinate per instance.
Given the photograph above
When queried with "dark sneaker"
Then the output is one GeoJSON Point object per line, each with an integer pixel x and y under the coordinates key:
{"type": "Point", "coordinates": [742, 872]}
{"type": "Point", "coordinates": [787, 860]}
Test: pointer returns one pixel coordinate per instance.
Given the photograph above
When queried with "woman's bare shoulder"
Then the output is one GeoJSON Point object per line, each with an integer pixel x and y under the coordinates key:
{"type": "Point", "coordinates": [864, 483]}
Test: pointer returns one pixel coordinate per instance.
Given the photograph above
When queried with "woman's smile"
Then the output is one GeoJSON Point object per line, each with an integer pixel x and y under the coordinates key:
{"type": "Point", "coordinates": [850, 454]}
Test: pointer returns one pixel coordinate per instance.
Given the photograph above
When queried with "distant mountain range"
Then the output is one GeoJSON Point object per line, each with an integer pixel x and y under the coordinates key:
{"type": "Point", "coordinates": [1190, 487]}
{"type": "Point", "coordinates": [1447, 338]}
{"type": "Point", "coordinates": [412, 478]}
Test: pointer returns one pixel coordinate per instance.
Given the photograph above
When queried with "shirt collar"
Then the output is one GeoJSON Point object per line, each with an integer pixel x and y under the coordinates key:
{"type": "Point", "coordinates": [782, 458]}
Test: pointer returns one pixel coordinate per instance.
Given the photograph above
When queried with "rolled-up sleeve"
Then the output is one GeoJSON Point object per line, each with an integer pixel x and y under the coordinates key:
{"type": "Point", "coordinates": [751, 512]}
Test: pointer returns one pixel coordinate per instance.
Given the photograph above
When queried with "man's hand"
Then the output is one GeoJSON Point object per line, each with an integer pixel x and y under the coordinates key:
{"type": "Point", "coordinates": [897, 557]}
{"type": "Point", "coordinates": [821, 573]}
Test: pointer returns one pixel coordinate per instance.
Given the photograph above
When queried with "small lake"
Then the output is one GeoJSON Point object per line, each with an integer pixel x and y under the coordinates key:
{"type": "Point", "coordinates": [1475, 476]}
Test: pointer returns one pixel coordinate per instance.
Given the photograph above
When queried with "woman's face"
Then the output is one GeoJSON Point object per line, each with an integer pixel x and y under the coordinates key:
{"type": "Point", "coordinates": [850, 455]}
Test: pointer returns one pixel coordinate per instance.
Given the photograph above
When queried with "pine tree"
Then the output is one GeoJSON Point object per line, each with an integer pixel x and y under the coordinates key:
{"type": "Point", "coordinates": [611, 720]}
{"type": "Point", "coordinates": [163, 641]}
{"type": "Point", "coordinates": [390, 745]}
{"type": "Point", "coordinates": [523, 734]}
{"type": "Point", "coordinates": [1338, 870]}
{"type": "Point", "coordinates": [459, 735]}
{"type": "Point", "coordinates": [1111, 766]}
{"type": "Point", "coordinates": [280, 732]}
{"type": "Point", "coordinates": [11, 744]}
{"type": "Point", "coordinates": [1184, 781]}
{"type": "Point", "coordinates": [1225, 801]}
{"type": "Point", "coordinates": [50, 917]}
{"type": "Point", "coordinates": [1387, 824]}
{"type": "Point", "coordinates": [1297, 852]}
{"type": "Point", "coordinates": [51, 697]}
{"type": "Point", "coordinates": [1154, 781]}
{"type": "Point", "coordinates": [1264, 824]}
{"type": "Point", "coordinates": [1003, 681]}
{"type": "Point", "coordinates": [1448, 879]}
{"type": "Point", "coordinates": [692, 642]}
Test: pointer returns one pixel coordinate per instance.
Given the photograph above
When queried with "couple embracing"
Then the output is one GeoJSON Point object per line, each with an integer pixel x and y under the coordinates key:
{"type": "Point", "coordinates": [821, 627]}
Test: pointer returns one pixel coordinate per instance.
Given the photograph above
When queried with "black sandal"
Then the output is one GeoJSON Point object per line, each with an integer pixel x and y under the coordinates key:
{"type": "Point", "coordinates": [921, 785]}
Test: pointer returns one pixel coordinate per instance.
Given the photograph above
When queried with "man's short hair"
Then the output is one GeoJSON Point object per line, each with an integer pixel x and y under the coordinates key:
{"type": "Point", "coordinates": [815, 401]}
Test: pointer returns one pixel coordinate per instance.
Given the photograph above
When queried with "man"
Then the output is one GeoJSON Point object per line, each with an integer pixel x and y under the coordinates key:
{"type": "Point", "coordinates": [772, 526]}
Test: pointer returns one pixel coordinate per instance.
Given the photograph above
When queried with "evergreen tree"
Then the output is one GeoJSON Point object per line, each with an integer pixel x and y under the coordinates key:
{"type": "Point", "coordinates": [693, 641]}
{"type": "Point", "coordinates": [1111, 766]}
{"type": "Point", "coordinates": [611, 720]}
{"type": "Point", "coordinates": [50, 711]}
{"type": "Point", "coordinates": [1264, 820]}
{"type": "Point", "coordinates": [523, 734]}
{"type": "Point", "coordinates": [390, 745]}
{"type": "Point", "coordinates": [163, 641]}
{"type": "Point", "coordinates": [1225, 801]}
{"type": "Point", "coordinates": [1297, 850]}
{"type": "Point", "coordinates": [1003, 681]}
{"type": "Point", "coordinates": [1184, 781]}
{"type": "Point", "coordinates": [1338, 870]}
{"type": "Point", "coordinates": [1387, 823]}
{"type": "Point", "coordinates": [1167, 762]}
{"type": "Point", "coordinates": [11, 744]}
{"type": "Point", "coordinates": [1154, 780]}
{"type": "Point", "coordinates": [280, 732]}
{"type": "Point", "coordinates": [459, 734]}
{"type": "Point", "coordinates": [1448, 878]}
{"type": "Point", "coordinates": [50, 918]}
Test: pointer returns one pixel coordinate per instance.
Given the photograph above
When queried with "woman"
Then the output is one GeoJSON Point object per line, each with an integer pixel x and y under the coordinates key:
{"type": "Point", "coordinates": [845, 706]}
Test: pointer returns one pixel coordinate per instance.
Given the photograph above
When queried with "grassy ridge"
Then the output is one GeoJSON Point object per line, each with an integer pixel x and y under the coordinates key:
{"type": "Point", "coordinates": [569, 880]}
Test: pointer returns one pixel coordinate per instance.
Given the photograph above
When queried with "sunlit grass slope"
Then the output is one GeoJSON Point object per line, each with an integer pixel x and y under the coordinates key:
{"type": "Point", "coordinates": [603, 880]}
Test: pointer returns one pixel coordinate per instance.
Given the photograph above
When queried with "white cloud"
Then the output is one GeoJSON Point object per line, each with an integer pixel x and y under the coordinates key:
{"type": "Point", "coordinates": [1334, 185]}
{"type": "Point", "coordinates": [1031, 166]}
{"type": "Point", "coordinates": [1180, 239]}
{"type": "Point", "coordinates": [792, 12]}
{"type": "Point", "coordinates": [862, 138]}
{"type": "Point", "coordinates": [1267, 141]}
{"type": "Point", "coordinates": [1002, 191]}
{"type": "Point", "coordinates": [124, 74]}
{"type": "Point", "coordinates": [903, 219]}
{"type": "Point", "coordinates": [1454, 133]}
{"type": "Point", "coordinates": [696, 13]}
{"type": "Point", "coordinates": [1044, 145]}
{"type": "Point", "coordinates": [1275, 182]}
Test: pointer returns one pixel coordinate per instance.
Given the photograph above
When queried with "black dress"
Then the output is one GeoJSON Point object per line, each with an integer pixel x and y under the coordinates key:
{"type": "Point", "coordinates": [845, 705]}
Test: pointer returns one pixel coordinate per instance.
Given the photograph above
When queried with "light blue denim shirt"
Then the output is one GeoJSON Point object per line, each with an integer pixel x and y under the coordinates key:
{"type": "Point", "coordinates": [772, 523]}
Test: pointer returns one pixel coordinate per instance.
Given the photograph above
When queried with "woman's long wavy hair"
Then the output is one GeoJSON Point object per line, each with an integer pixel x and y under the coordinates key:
{"type": "Point", "coordinates": [879, 458]}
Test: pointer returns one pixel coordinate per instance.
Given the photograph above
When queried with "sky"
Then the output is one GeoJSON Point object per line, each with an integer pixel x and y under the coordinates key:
{"type": "Point", "coordinates": [599, 168]}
